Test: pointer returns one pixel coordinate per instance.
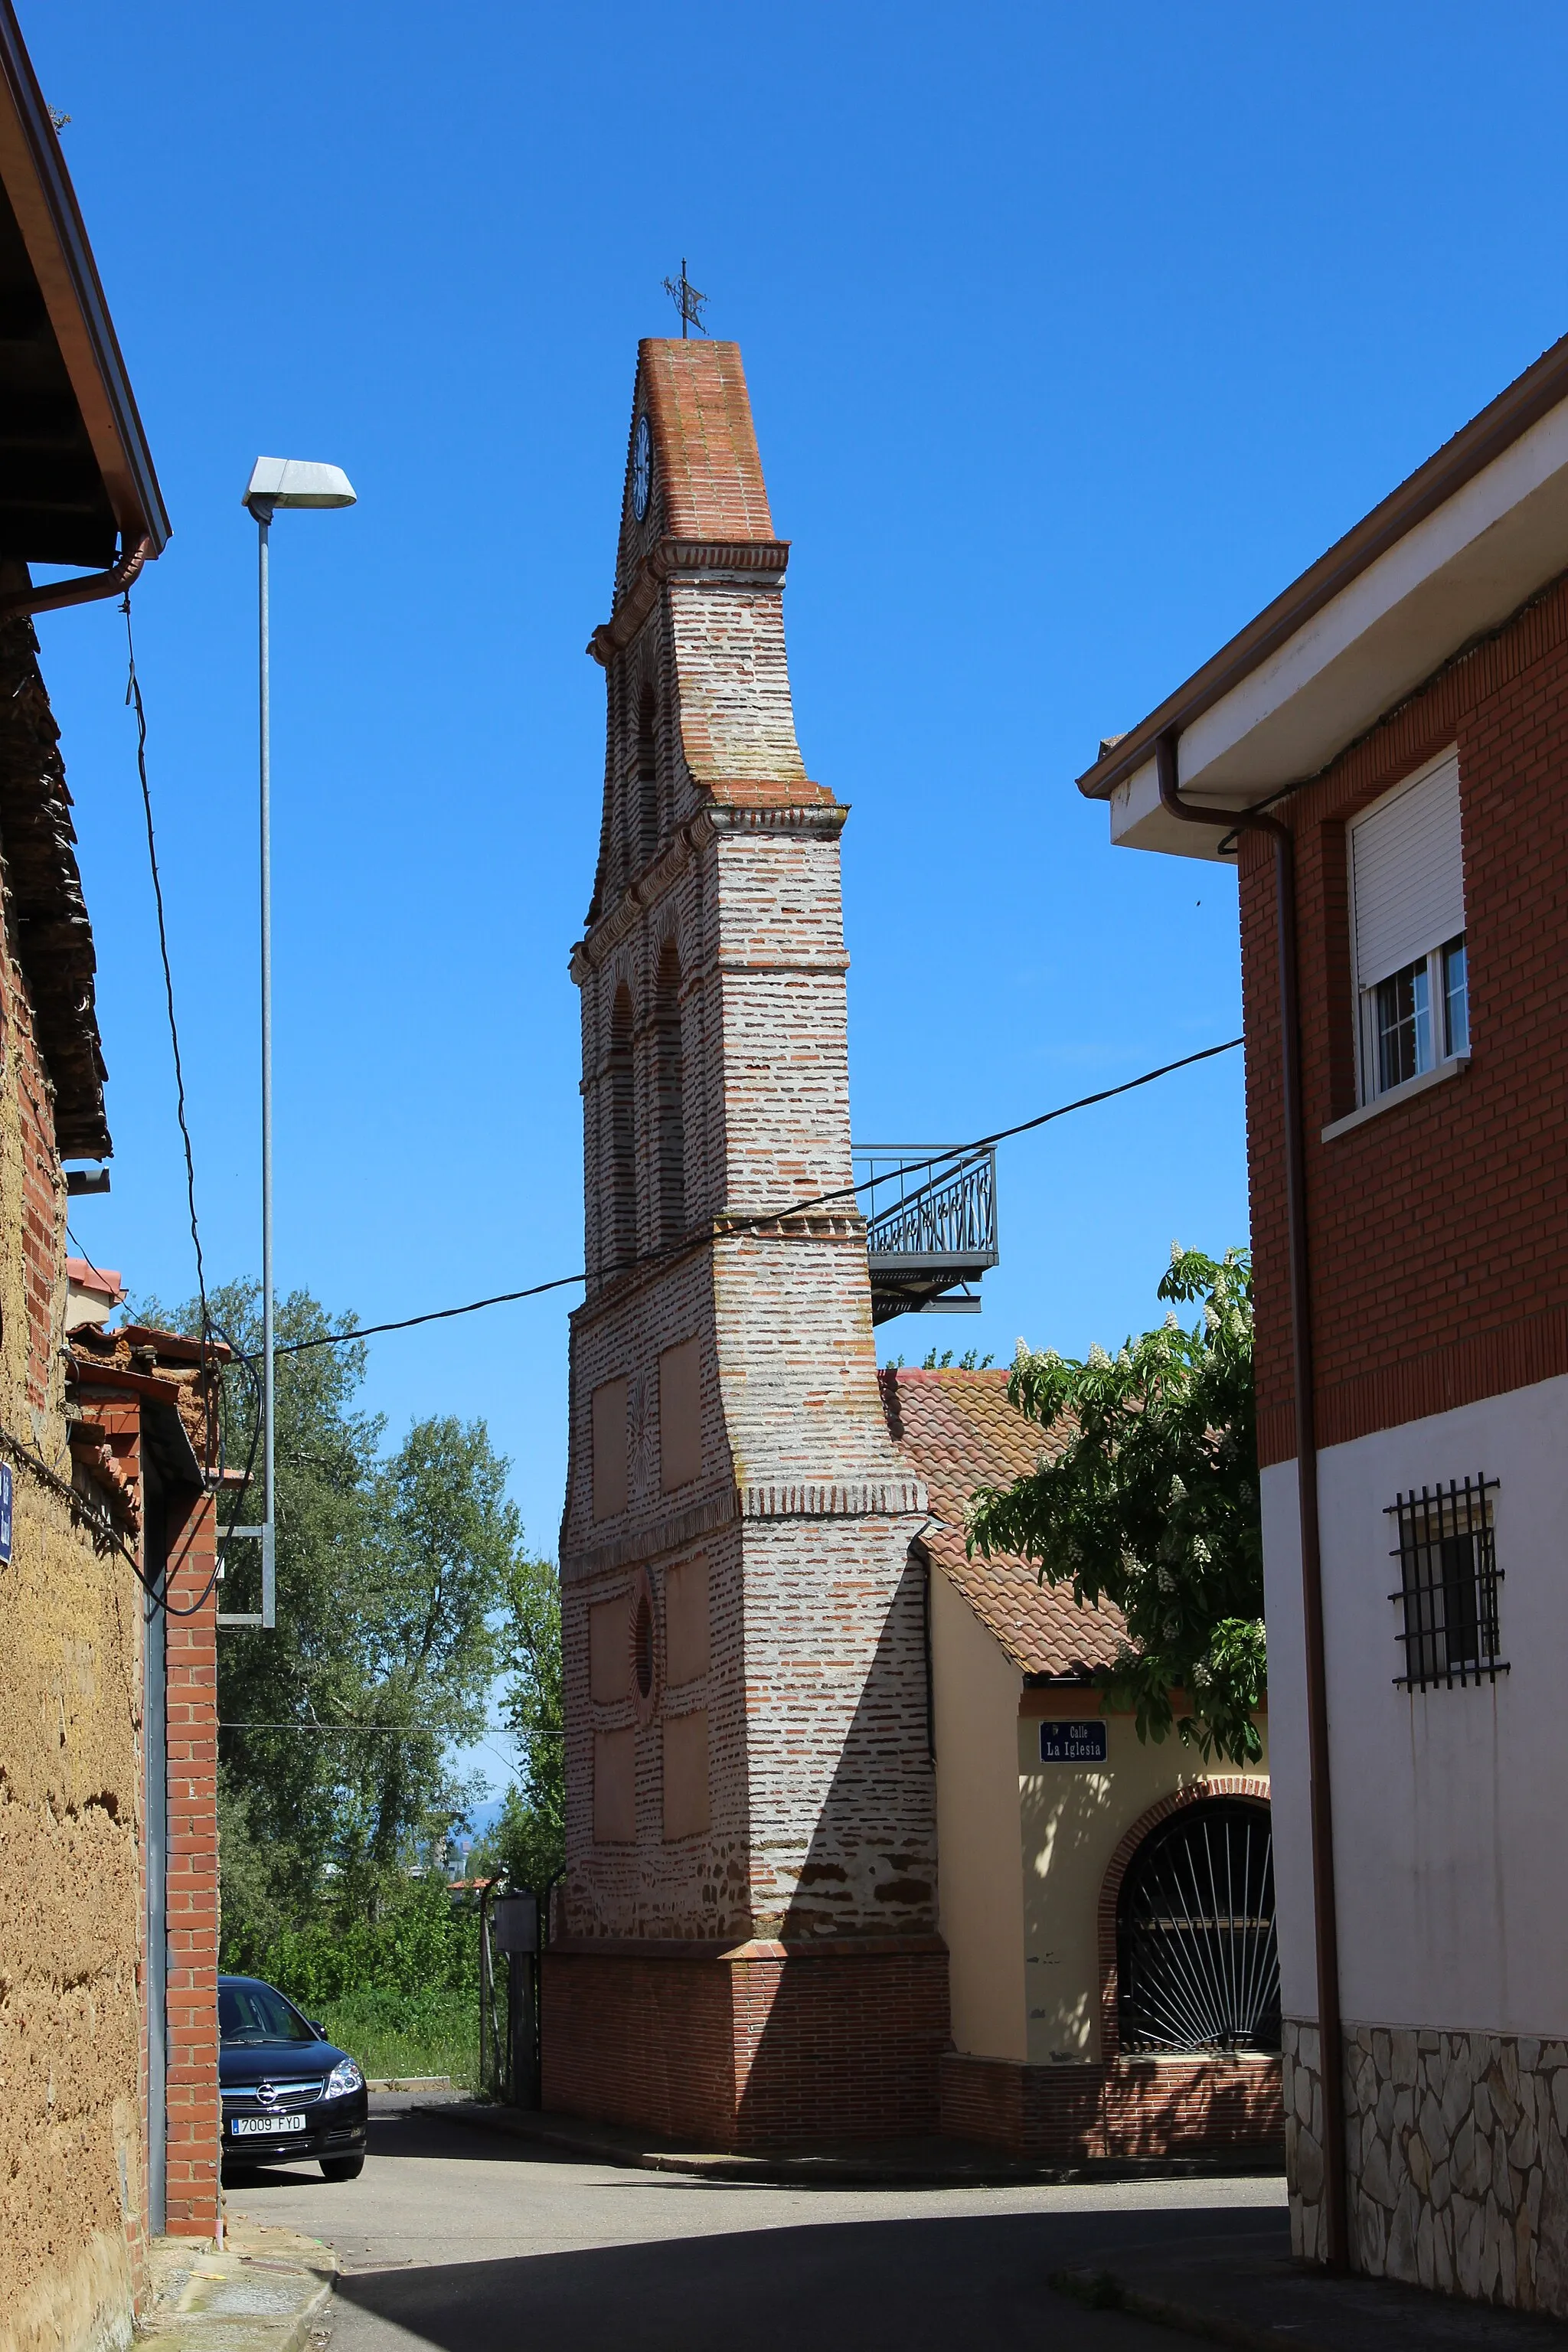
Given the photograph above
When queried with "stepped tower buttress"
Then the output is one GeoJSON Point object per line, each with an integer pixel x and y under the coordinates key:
{"type": "Point", "coordinates": [751, 1879]}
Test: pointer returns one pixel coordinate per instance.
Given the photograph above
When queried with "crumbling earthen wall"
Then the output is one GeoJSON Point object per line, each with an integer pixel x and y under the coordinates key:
{"type": "Point", "coordinates": [71, 2188]}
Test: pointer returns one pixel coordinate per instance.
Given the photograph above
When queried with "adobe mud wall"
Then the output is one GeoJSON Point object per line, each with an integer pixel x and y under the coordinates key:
{"type": "Point", "coordinates": [71, 2188]}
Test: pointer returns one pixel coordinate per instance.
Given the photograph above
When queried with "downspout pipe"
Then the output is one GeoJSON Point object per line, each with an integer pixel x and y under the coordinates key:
{"type": "Point", "coordinates": [84, 590]}
{"type": "Point", "coordinates": [1330, 2066]}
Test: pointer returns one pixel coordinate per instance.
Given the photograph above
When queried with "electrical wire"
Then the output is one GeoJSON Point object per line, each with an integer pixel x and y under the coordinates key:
{"type": "Point", "coordinates": [397, 1730]}
{"type": "Point", "coordinates": [103, 1536]}
{"type": "Point", "coordinates": [760, 1218]}
{"type": "Point", "coordinates": [133, 698]}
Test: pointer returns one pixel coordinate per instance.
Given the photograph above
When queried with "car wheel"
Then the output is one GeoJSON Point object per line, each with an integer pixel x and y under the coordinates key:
{"type": "Point", "coordinates": [342, 2167]}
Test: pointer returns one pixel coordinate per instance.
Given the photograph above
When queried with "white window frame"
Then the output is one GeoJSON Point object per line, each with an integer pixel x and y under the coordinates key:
{"type": "Point", "coordinates": [1443, 1063]}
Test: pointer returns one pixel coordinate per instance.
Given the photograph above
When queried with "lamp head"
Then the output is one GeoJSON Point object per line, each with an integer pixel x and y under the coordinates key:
{"type": "Point", "coordinates": [295, 482]}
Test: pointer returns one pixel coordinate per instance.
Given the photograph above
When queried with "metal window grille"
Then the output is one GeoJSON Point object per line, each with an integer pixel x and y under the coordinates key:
{"type": "Point", "coordinates": [1448, 1585]}
{"type": "Point", "coordinates": [1197, 1954]}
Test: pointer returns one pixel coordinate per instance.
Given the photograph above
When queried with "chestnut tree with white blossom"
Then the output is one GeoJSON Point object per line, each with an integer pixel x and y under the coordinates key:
{"type": "Point", "coordinates": [1152, 1506]}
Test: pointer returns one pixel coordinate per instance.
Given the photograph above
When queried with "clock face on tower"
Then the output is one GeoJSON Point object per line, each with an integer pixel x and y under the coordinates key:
{"type": "Point", "coordinates": [642, 466]}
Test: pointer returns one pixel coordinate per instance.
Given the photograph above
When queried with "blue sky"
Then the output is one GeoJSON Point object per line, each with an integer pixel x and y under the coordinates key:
{"type": "Point", "coordinates": [1072, 334]}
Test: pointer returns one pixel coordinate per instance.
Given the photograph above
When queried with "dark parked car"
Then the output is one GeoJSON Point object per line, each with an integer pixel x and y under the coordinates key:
{"type": "Point", "coordinates": [288, 2092]}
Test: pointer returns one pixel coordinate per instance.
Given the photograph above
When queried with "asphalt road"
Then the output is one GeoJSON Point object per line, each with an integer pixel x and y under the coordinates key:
{"type": "Point", "coordinates": [463, 2241]}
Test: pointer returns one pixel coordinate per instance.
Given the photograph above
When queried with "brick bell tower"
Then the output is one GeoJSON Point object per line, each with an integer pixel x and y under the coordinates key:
{"type": "Point", "coordinates": [746, 1941]}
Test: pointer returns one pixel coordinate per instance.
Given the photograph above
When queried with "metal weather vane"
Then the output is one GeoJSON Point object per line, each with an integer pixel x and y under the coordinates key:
{"type": "Point", "coordinates": [688, 302]}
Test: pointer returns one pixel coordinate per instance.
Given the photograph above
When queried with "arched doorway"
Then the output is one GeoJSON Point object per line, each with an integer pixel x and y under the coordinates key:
{"type": "Point", "coordinates": [1198, 1957]}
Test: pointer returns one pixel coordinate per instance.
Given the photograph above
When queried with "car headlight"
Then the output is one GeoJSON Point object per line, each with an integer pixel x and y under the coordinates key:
{"type": "Point", "coordinates": [344, 2077]}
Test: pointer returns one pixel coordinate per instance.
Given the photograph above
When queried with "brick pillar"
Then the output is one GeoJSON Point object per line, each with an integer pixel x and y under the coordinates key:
{"type": "Point", "coordinates": [194, 2193]}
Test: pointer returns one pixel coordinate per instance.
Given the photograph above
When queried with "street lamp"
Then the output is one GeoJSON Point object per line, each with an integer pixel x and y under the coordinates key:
{"type": "Point", "coordinates": [274, 482]}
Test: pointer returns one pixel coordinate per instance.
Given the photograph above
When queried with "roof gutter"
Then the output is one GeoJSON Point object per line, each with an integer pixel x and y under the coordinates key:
{"type": "Point", "coordinates": [1325, 1909]}
{"type": "Point", "coordinates": [52, 594]}
{"type": "Point", "coordinates": [35, 179]}
{"type": "Point", "coordinates": [1510, 417]}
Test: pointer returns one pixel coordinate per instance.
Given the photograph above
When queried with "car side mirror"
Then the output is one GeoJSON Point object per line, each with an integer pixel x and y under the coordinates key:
{"type": "Point", "coordinates": [317, 2028]}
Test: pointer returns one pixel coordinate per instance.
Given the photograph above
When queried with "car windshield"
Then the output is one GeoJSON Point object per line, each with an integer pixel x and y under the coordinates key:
{"type": "Point", "coordinates": [254, 2012]}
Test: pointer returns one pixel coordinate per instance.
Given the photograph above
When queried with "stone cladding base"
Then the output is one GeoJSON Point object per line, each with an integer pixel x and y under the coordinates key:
{"type": "Point", "coordinates": [1457, 2158]}
{"type": "Point", "coordinates": [750, 2045]}
{"type": "Point", "coordinates": [1134, 2108]}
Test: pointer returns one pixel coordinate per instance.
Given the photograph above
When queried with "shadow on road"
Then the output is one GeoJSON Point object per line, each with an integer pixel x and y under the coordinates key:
{"type": "Point", "coordinates": [399, 2133]}
{"type": "Point", "coordinates": [924, 2284]}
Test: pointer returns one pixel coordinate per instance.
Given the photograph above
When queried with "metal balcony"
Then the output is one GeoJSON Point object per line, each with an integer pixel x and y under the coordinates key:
{"type": "Point", "coordinates": [931, 1226]}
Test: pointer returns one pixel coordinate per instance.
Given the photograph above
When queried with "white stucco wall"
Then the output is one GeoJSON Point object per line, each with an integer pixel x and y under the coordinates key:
{"type": "Point", "coordinates": [1449, 1835]}
{"type": "Point", "coordinates": [1074, 1816]}
{"type": "Point", "coordinates": [974, 1693]}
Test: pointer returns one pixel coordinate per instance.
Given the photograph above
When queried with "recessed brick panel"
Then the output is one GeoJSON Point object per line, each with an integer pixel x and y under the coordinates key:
{"type": "Point", "coordinates": [680, 1415]}
{"type": "Point", "coordinates": [609, 1449]}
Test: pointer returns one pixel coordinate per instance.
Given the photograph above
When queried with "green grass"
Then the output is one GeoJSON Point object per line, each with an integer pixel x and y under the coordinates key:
{"type": "Point", "coordinates": [394, 2033]}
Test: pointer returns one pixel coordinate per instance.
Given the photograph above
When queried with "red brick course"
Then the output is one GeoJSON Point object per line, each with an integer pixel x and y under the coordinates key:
{"type": "Point", "coordinates": [763, 2045]}
{"type": "Point", "coordinates": [193, 2145]}
{"type": "Point", "coordinates": [1131, 2108]}
{"type": "Point", "coordinates": [1438, 1230]}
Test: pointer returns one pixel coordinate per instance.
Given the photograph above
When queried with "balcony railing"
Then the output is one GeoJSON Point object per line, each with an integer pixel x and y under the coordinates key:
{"type": "Point", "coordinates": [931, 1226]}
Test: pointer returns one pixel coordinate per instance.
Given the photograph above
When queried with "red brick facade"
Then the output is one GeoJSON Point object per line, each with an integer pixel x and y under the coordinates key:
{"type": "Point", "coordinates": [1438, 1231]}
{"type": "Point", "coordinates": [760, 2045]}
{"type": "Point", "coordinates": [1133, 2109]}
{"type": "Point", "coordinates": [193, 2195]}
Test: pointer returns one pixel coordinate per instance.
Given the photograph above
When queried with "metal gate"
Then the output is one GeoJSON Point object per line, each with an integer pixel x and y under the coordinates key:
{"type": "Point", "coordinates": [1198, 1957]}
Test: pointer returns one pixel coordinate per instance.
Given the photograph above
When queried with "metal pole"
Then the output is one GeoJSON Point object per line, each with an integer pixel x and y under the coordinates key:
{"type": "Point", "coordinates": [268, 1525]}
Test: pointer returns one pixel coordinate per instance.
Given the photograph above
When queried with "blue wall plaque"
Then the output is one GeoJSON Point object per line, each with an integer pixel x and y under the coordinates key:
{"type": "Point", "coordinates": [1072, 1743]}
{"type": "Point", "coordinates": [5, 1491]}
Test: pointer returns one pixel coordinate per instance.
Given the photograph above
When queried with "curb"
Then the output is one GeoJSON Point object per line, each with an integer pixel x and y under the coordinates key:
{"type": "Point", "coordinates": [714, 2165]}
{"type": "Point", "coordinates": [209, 2309]}
{"type": "Point", "coordinates": [1103, 2291]}
{"type": "Point", "coordinates": [984, 2170]}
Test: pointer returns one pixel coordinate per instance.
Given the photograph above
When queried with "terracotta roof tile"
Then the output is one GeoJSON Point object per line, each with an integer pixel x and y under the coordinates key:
{"type": "Point", "coordinates": [960, 1433]}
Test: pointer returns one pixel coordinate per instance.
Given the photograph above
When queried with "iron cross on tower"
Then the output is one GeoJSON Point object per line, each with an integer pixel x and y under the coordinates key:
{"type": "Point", "coordinates": [687, 299]}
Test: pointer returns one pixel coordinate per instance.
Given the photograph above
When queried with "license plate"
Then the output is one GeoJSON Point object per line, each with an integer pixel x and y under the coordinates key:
{"type": "Point", "coordinates": [263, 2126]}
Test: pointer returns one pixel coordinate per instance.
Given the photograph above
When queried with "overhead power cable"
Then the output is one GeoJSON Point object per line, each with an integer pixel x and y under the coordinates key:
{"type": "Point", "coordinates": [133, 698]}
{"type": "Point", "coordinates": [764, 1217]}
{"type": "Point", "coordinates": [397, 1730]}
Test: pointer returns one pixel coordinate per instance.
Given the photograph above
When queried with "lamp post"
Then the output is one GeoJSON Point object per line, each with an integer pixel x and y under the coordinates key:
{"type": "Point", "coordinates": [274, 482]}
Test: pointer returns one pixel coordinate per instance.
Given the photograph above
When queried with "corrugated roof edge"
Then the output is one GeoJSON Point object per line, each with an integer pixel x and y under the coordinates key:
{"type": "Point", "coordinates": [1505, 420]}
{"type": "Point", "coordinates": [79, 313]}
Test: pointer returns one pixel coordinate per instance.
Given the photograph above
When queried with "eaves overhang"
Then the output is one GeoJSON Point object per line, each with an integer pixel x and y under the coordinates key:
{"type": "Point", "coordinates": [1449, 555]}
{"type": "Point", "coordinates": [74, 318]}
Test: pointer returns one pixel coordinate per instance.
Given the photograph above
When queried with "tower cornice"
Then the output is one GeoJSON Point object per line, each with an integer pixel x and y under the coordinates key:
{"type": "Point", "coordinates": [746, 563]}
{"type": "Point", "coordinates": [737, 807]}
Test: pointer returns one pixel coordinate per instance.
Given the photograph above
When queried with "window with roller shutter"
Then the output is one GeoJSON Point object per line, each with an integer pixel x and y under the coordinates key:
{"type": "Point", "coordinates": [1407, 901]}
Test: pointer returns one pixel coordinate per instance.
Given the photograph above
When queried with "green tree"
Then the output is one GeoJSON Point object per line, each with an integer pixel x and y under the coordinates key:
{"type": "Point", "coordinates": [530, 1839]}
{"type": "Point", "coordinates": [335, 1773]}
{"type": "Point", "coordinates": [1153, 1505]}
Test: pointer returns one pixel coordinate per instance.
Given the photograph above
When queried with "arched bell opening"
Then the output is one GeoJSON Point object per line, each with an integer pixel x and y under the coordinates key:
{"type": "Point", "coordinates": [646, 785]}
{"type": "Point", "coordinates": [1197, 1954]}
{"type": "Point", "coordinates": [620, 1197]}
{"type": "Point", "coordinates": [668, 1090]}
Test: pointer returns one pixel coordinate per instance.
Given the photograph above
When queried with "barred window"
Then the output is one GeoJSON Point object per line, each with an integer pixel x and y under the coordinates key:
{"type": "Point", "coordinates": [1449, 1584]}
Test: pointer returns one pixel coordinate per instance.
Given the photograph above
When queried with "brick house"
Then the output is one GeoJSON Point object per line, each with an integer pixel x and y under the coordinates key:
{"type": "Point", "coordinates": [106, 1828]}
{"type": "Point", "coordinates": [1086, 2021]}
{"type": "Point", "coordinates": [1383, 748]}
{"type": "Point", "coordinates": [765, 1620]}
